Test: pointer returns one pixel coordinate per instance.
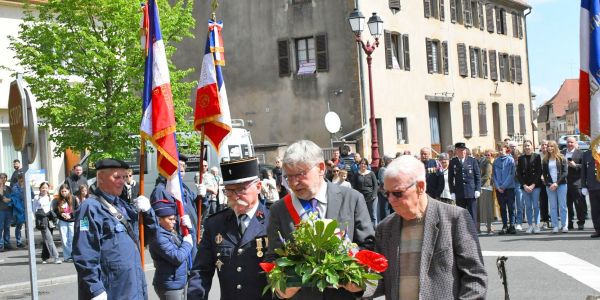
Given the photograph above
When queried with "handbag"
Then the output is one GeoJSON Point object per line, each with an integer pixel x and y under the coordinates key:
{"type": "Point", "coordinates": [40, 219]}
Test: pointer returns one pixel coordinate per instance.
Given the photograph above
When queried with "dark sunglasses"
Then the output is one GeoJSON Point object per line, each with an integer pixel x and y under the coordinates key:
{"type": "Point", "coordinates": [398, 194]}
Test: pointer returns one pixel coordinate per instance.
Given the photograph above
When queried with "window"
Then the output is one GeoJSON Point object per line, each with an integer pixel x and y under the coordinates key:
{"type": "Point", "coordinates": [456, 11]}
{"type": "Point", "coordinates": [396, 51]}
{"type": "Point", "coordinates": [503, 62]}
{"type": "Point", "coordinates": [493, 66]}
{"type": "Point", "coordinates": [401, 131]}
{"type": "Point", "coordinates": [467, 127]}
{"type": "Point", "coordinates": [476, 62]}
{"type": "Point", "coordinates": [523, 120]}
{"type": "Point", "coordinates": [468, 13]}
{"type": "Point", "coordinates": [463, 70]}
{"type": "Point", "coordinates": [517, 25]}
{"type": "Point", "coordinates": [305, 56]}
{"type": "Point", "coordinates": [489, 15]}
{"type": "Point", "coordinates": [510, 121]}
{"type": "Point", "coordinates": [482, 119]}
{"type": "Point", "coordinates": [434, 9]}
{"type": "Point", "coordinates": [434, 56]}
{"type": "Point", "coordinates": [500, 20]}
{"type": "Point", "coordinates": [445, 58]}
{"type": "Point", "coordinates": [300, 1]}
{"type": "Point", "coordinates": [283, 53]}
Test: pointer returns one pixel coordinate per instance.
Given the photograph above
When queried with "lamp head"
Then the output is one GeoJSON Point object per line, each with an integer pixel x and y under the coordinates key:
{"type": "Point", "coordinates": [356, 21]}
{"type": "Point", "coordinates": [375, 25]}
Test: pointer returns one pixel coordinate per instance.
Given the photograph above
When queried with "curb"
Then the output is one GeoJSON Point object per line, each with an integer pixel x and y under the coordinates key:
{"type": "Point", "coordinates": [25, 285]}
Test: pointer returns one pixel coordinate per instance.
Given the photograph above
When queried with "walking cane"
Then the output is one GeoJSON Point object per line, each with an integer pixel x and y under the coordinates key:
{"type": "Point", "coordinates": [500, 261]}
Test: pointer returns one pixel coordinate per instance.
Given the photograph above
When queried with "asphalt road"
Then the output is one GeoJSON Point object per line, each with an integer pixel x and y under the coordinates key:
{"type": "Point", "coordinates": [541, 266]}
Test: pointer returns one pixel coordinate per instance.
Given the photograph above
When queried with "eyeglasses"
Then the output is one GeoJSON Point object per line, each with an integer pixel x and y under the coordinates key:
{"type": "Point", "coordinates": [239, 191]}
{"type": "Point", "coordinates": [129, 175]}
{"type": "Point", "coordinates": [300, 175]}
{"type": "Point", "coordinates": [399, 194]}
{"type": "Point", "coordinates": [336, 171]}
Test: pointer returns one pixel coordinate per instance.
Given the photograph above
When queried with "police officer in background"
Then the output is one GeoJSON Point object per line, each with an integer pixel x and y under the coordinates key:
{"type": "Point", "coordinates": [464, 178]}
{"type": "Point", "coordinates": [591, 186]}
{"type": "Point", "coordinates": [234, 241]}
{"type": "Point", "coordinates": [434, 174]}
{"type": "Point", "coordinates": [105, 245]}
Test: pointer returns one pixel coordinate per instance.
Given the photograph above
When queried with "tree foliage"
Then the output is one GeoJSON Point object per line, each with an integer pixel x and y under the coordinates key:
{"type": "Point", "coordinates": [83, 61]}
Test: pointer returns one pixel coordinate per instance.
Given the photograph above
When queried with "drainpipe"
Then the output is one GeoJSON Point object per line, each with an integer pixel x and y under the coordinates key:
{"type": "Point", "coordinates": [529, 77]}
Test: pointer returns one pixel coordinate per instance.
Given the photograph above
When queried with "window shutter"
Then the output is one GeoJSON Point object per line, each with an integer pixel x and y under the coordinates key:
{"type": "Point", "coordinates": [468, 13]}
{"type": "Point", "coordinates": [519, 75]}
{"type": "Point", "coordinates": [515, 24]}
{"type": "Point", "coordinates": [283, 52]}
{"type": "Point", "coordinates": [482, 119]}
{"type": "Point", "coordinates": [480, 15]}
{"type": "Point", "coordinates": [321, 49]}
{"type": "Point", "coordinates": [493, 66]}
{"type": "Point", "coordinates": [501, 63]}
{"type": "Point", "coordinates": [459, 11]}
{"type": "Point", "coordinates": [427, 7]}
{"type": "Point", "coordinates": [394, 5]}
{"type": "Point", "coordinates": [445, 57]}
{"type": "Point", "coordinates": [453, 11]}
{"type": "Point", "coordinates": [400, 51]}
{"type": "Point", "coordinates": [510, 120]}
{"type": "Point", "coordinates": [387, 41]}
{"type": "Point", "coordinates": [498, 20]}
{"type": "Point", "coordinates": [522, 120]}
{"type": "Point", "coordinates": [504, 25]}
{"type": "Point", "coordinates": [484, 63]}
{"type": "Point", "coordinates": [473, 65]}
{"type": "Point", "coordinates": [520, 25]}
{"type": "Point", "coordinates": [489, 15]}
{"type": "Point", "coordinates": [429, 55]}
{"type": "Point", "coordinates": [406, 49]}
{"type": "Point", "coordinates": [463, 70]}
{"type": "Point", "coordinates": [442, 13]}
{"type": "Point", "coordinates": [467, 126]}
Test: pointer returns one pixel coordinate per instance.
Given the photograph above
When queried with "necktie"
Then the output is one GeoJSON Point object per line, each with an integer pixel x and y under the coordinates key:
{"type": "Point", "coordinates": [310, 205]}
{"type": "Point", "coordinates": [241, 223]}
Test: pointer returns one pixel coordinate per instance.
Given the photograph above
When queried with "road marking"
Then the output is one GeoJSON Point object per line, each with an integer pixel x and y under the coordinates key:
{"type": "Point", "coordinates": [573, 266]}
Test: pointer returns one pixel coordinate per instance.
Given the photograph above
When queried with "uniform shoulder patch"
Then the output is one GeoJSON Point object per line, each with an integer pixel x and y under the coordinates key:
{"type": "Point", "coordinates": [84, 224]}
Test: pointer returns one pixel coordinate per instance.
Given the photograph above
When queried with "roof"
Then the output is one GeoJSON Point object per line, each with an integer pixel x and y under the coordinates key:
{"type": "Point", "coordinates": [568, 92]}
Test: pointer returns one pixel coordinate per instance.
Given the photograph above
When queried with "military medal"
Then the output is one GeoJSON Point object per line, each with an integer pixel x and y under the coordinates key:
{"type": "Point", "coordinates": [219, 239]}
{"type": "Point", "coordinates": [259, 247]}
{"type": "Point", "coordinates": [219, 264]}
{"type": "Point", "coordinates": [266, 242]}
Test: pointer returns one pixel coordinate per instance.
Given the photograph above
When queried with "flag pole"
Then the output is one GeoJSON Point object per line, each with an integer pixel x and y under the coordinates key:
{"type": "Point", "coordinates": [141, 184]}
{"type": "Point", "coordinates": [199, 204]}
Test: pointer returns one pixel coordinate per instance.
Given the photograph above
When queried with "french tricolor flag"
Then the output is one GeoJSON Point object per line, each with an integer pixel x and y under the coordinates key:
{"type": "Point", "coordinates": [589, 74]}
{"type": "Point", "coordinates": [158, 115]}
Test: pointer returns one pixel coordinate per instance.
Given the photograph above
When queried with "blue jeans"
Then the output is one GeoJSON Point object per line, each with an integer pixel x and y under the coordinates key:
{"type": "Point", "coordinates": [507, 202]}
{"type": "Point", "coordinates": [18, 227]}
{"type": "Point", "coordinates": [5, 218]}
{"type": "Point", "coordinates": [519, 205]}
{"type": "Point", "coordinates": [532, 207]}
{"type": "Point", "coordinates": [66, 236]}
{"type": "Point", "coordinates": [558, 199]}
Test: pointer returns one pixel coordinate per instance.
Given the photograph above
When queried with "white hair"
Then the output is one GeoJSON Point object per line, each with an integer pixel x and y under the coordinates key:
{"type": "Point", "coordinates": [303, 152]}
{"type": "Point", "coordinates": [405, 166]}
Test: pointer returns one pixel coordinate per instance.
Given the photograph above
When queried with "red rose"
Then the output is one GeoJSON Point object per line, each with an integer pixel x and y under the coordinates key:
{"type": "Point", "coordinates": [268, 267]}
{"type": "Point", "coordinates": [372, 260]}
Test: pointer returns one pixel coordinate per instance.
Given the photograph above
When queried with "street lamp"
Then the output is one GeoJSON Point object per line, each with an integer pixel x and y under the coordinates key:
{"type": "Point", "coordinates": [375, 24]}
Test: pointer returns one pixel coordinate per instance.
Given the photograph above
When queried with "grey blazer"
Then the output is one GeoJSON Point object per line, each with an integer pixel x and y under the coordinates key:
{"type": "Point", "coordinates": [345, 205]}
{"type": "Point", "coordinates": [451, 261]}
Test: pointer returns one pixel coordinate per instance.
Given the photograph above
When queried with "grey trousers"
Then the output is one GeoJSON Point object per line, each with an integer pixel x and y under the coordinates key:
{"type": "Point", "coordinates": [48, 243]}
{"type": "Point", "coordinates": [170, 294]}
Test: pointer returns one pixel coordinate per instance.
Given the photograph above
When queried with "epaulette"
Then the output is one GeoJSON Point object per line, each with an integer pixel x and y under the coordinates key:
{"type": "Point", "coordinates": [219, 213]}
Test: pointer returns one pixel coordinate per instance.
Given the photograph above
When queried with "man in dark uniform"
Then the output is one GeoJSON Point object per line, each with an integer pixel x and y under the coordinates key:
{"type": "Point", "coordinates": [464, 178]}
{"type": "Point", "coordinates": [105, 244]}
{"type": "Point", "coordinates": [235, 240]}
{"type": "Point", "coordinates": [591, 186]}
{"type": "Point", "coordinates": [434, 174]}
{"type": "Point", "coordinates": [574, 197]}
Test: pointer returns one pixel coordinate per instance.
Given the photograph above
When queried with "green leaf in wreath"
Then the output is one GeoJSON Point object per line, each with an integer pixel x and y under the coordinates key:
{"type": "Point", "coordinates": [372, 276]}
{"type": "Point", "coordinates": [284, 262]}
{"type": "Point", "coordinates": [330, 229]}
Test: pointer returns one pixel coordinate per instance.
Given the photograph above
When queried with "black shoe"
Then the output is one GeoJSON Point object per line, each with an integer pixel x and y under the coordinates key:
{"type": "Point", "coordinates": [20, 246]}
{"type": "Point", "coordinates": [503, 231]}
{"type": "Point", "coordinates": [512, 230]}
{"type": "Point", "coordinates": [2, 249]}
{"type": "Point", "coordinates": [595, 235]}
{"type": "Point", "coordinates": [579, 227]}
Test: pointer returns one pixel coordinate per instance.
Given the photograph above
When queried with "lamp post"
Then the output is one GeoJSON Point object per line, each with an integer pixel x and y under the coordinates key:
{"type": "Point", "coordinates": [357, 24]}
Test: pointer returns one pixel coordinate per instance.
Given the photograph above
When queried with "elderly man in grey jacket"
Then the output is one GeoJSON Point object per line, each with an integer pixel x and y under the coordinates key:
{"type": "Point", "coordinates": [432, 247]}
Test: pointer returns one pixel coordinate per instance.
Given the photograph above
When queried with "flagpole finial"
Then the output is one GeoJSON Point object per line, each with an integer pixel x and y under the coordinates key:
{"type": "Point", "coordinates": [214, 4]}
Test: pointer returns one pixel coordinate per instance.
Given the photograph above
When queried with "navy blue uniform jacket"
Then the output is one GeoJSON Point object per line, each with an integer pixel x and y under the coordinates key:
{"type": "Point", "coordinates": [240, 276]}
{"type": "Point", "coordinates": [434, 178]}
{"type": "Point", "coordinates": [171, 257]}
{"type": "Point", "coordinates": [464, 178]}
{"type": "Point", "coordinates": [105, 256]}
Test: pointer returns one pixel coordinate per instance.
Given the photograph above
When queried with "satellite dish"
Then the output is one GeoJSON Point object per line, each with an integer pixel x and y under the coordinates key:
{"type": "Point", "coordinates": [332, 122]}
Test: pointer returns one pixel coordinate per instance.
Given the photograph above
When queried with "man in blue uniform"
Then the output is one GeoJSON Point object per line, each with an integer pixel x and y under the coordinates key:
{"type": "Point", "coordinates": [591, 186]}
{"type": "Point", "coordinates": [434, 174]}
{"type": "Point", "coordinates": [464, 178]}
{"type": "Point", "coordinates": [235, 240]}
{"type": "Point", "coordinates": [105, 244]}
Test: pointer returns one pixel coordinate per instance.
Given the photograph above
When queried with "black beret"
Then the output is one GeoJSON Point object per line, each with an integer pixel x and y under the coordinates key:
{"type": "Point", "coordinates": [111, 163]}
{"type": "Point", "coordinates": [240, 170]}
{"type": "Point", "coordinates": [460, 145]}
{"type": "Point", "coordinates": [183, 158]}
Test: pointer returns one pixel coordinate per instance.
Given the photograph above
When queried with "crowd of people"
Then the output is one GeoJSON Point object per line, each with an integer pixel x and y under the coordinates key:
{"type": "Point", "coordinates": [418, 204]}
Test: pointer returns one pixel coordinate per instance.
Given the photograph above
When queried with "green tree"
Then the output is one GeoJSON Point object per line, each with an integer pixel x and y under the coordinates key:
{"type": "Point", "coordinates": [84, 62]}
